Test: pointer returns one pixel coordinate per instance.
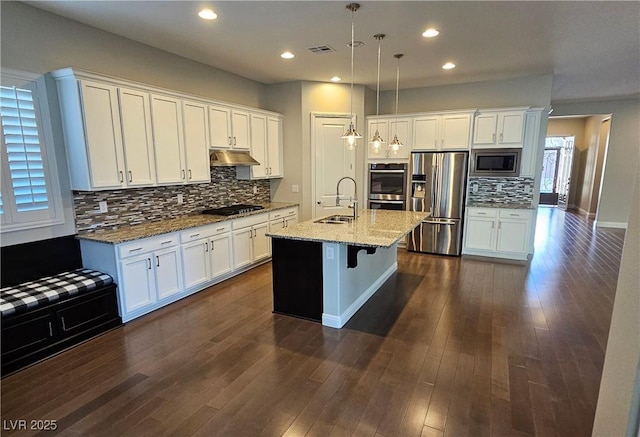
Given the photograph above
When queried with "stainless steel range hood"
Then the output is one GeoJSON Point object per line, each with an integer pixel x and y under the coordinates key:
{"type": "Point", "coordinates": [230, 158]}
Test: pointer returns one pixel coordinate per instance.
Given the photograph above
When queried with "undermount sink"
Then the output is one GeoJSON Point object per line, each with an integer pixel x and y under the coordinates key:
{"type": "Point", "coordinates": [336, 219]}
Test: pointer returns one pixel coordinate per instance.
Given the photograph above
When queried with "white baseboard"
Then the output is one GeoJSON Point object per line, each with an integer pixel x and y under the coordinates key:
{"type": "Point", "coordinates": [585, 213]}
{"type": "Point", "coordinates": [339, 321]}
{"type": "Point", "coordinates": [617, 225]}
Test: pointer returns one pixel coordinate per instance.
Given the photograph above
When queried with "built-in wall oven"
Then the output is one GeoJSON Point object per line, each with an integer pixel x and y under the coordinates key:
{"type": "Point", "coordinates": [388, 186]}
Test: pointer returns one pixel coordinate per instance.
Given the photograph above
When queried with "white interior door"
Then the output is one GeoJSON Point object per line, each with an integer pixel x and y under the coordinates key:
{"type": "Point", "coordinates": [564, 173]}
{"type": "Point", "coordinates": [332, 161]}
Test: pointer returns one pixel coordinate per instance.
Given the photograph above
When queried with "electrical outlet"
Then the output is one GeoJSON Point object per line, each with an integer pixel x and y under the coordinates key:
{"type": "Point", "coordinates": [255, 189]}
{"type": "Point", "coordinates": [295, 188]}
{"type": "Point", "coordinates": [474, 188]}
{"type": "Point", "coordinates": [180, 199]}
{"type": "Point", "coordinates": [499, 187]}
{"type": "Point", "coordinates": [329, 253]}
{"type": "Point", "coordinates": [102, 205]}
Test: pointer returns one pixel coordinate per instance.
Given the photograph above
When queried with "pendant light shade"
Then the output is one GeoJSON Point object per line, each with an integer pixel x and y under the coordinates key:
{"type": "Point", "coordinates": [396, 144]}
{"type": "Point", "coordinates": [352, 134]}
{"type": "Point", "coordinates": [377, 141]}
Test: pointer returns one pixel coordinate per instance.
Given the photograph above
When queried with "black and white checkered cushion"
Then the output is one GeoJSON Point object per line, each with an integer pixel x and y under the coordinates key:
{"type": "Point", "coordinates": [28, 295]}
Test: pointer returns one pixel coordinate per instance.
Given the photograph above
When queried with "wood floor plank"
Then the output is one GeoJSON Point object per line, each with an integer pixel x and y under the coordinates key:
{"type": "Point", "coordinates": [449, 346]}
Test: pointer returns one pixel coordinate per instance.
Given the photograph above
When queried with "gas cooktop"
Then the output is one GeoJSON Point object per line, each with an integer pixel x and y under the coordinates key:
{"type": "Point", "coordinates": [232, 209]}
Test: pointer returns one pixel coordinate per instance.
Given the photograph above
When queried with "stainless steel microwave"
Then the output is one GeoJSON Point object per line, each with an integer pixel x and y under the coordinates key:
{"type": "Point", "coordinates": [495, 162]}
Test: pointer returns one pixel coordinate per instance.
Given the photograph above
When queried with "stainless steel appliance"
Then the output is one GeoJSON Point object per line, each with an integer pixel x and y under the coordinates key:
{"type": "Point", "coordinates": [495, 162]}
{"type": "Point", "coordinates": [232, 209]}
{"type": "Point", "coordinates": [438, 183]}
{"type": "Point", "coordinates": [388, 186]}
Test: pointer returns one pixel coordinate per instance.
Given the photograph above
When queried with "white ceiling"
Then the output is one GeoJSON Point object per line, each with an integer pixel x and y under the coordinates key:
{"type": "Point", "coordinates": [592, 48]}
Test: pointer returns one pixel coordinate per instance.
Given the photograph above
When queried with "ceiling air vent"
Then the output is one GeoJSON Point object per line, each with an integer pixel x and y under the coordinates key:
{"type": "Point", "coordinates": [318, 50]}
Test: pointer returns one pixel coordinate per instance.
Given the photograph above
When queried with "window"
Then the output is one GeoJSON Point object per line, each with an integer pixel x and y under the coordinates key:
{"type": "Point", "coordinates": [29, 190]}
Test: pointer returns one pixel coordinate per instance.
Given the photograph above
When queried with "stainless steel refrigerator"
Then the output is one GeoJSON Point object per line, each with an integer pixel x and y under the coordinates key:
{"type": "Point", "coordinates": [438, 185]}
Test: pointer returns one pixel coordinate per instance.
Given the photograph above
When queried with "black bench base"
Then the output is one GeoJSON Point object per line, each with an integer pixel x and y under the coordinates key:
{"type": "Point", "coordinates": [32, 336]}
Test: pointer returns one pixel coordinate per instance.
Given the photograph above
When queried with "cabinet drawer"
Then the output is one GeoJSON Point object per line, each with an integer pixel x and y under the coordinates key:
{"type": "Point", "coordinates": [252, 220]}
{"type": "Point", "coordinates": [482, 212]}
{"type": "Point", "coordinates": [515, 213]}
{"type": "Point", "coordinates": [147, 245]}
{"type": "Point", "coordinates": [200, 232]}
{"type": "Point", "coordinates": [282, 213]}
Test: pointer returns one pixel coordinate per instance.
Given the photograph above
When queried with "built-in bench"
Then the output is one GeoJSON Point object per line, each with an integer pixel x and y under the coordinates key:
{"type": "Point", "coordinates": [49, 303]}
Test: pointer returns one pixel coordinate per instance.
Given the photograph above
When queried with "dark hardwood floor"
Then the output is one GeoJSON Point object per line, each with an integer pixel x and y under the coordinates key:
{"type": "Point", "coordinates": [448, 346]}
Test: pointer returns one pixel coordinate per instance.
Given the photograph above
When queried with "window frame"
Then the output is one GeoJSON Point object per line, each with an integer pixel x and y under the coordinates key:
{"type": "Point", "coordinates": [10, 220]}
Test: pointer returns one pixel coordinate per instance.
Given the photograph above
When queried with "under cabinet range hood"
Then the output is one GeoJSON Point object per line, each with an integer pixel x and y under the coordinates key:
{"type": "Point", "coordinates": [230, 158]}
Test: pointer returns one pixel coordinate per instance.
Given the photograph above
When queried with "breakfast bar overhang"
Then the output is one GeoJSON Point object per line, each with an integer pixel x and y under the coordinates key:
{"type": "Point", "coordinates": [326, 271]}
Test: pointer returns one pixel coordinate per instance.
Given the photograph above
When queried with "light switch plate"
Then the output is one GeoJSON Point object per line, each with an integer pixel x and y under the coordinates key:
{"type": "Point", "coordinates": [255, 189]}
{"type": "Point", "coordinates": [329, 253]}
{"type": "Point", "coordinates": [499, 187]}
{"type": "Point", "coordinates": [102, 205]}
{"type": "Point", "coordinates": [180, 199]}
{"type": "Point", "coordinates": [295, 188]}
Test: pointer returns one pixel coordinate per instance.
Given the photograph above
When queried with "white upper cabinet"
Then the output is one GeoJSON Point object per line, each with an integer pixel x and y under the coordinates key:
{"type": "Point", "coordinates": [122, 134]}
{"type": "Point", "coordinates": [531, 143]}
{"type": "Point", "coordinates": [135, 116]}
{"type": "Point", "coordinates": [442, 131]}
{"type": "Point", "coordinates": [388, 128]}
{"type": "Point", "coordinates": [168, 139]}
{"type": "Point", "coordinates": [498, 129]}
{"type": "Point", "coordinates": [196, 141]}
{"type": "Point", "coordinates": [220, 127]}
{"type": "Point", "coordinates": [266, 148]}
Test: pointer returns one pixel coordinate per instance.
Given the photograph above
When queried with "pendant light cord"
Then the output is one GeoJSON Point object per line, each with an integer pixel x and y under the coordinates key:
{"type": "Point", "coordinates": [397, 87]}
{"type": "Point", "coordinates": [378, 84]}
{"type": "Point", "coordinates": [353, 11]}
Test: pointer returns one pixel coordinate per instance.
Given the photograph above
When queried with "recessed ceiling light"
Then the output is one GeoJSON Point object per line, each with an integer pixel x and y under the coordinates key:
{"type": "Point", "coordinates": [449, 66]}
{"type": "Point", "coordinates": [207, 14]}
{"type": "Point", "coordinates": [335, 79]}
{"type": "Point", "coordinates": [430, 33]}
{"type": "Point", "coordinates": [287, 55]}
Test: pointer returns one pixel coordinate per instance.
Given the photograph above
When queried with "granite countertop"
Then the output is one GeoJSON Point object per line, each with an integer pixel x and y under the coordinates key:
{"type": "Point", "coordinates": [373, 228]}
{"type": "Point", "coordinates": [525, 205]}
{"type": "Point", "coordinates": [151, 229]}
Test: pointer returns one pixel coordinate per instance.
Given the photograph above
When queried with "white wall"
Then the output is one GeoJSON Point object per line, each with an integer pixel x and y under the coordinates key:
{"type": "Point", "coordinates": [623, 346]}
{"type": "Point", "coordinates": [622, 157]}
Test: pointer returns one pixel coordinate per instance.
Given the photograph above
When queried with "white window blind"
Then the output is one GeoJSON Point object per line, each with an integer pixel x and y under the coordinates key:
{"type": "Point", "coordinates": [24, 149]}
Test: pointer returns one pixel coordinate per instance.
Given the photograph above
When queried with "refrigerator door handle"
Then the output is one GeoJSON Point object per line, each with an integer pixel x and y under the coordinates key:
{"type": "Point", "coordinates": [433, 188]}
{"type": "Point", "coordinates": [436, 222]}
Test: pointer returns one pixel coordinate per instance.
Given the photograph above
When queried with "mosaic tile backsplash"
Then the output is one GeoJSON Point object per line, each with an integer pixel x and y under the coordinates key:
{"type": "Point", "coordinates": [143, 205]}
{"type": "Point", "coordinates": [514, 190]}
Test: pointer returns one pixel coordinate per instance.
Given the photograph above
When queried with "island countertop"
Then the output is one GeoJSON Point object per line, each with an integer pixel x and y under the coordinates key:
{"type": "Point", "coordinates": [373, 228]}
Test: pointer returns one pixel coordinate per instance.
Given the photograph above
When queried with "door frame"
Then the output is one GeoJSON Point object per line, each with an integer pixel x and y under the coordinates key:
{"type": "Point", "coordinates": [313, 117]}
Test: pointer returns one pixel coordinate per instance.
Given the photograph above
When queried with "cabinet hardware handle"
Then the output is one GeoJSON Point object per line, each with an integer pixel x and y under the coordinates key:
{"type": "Point", "coordinates": [499, 225]}
{"type": "Point", "coordinates": [219, 229]}
{"type": "Point", "coordinates": [513, 215]}
{"type": "Point", "coordinates": [482, 213]}
{"type": "Point", "coordinates": [493, 138]}
{"type": "Point", "coordinates": [501, 136]}
{"type": "Point", "coordinates": [190, 175]}
{"type": "Point", "coordinates": [121, 176]}
{"type": "Point", "coordinates": [254, 232]}
{"type": "Point", "coordinates": [284, 223]}
{"type": "Point", "coordinates": [212, 246]}
{"type": "Point", "coordinates": [206, 246]}
{"type": "Point", "coordinates": [135, 250]}
{"type": "Point", "coordinates": [64, 327]}
{"type": "Point", "coordinates": [50, 330]}
{"type": "Point", "coordinates": [235, 142]}
{"type": "Point", "coordinates": [157, 261]}
{"type": "Point", "coordinates": [149, 260]}
{"type": "Point", "coordinates": [167, 242]}
{"type": "Point", "coordinates": [183, 174]}
{"type": "Point", "coordinates": [493, 225]}
{"type": "Point", "coordinates": [130, 176]}
{"type": "Point", "coordinates": [194, 235]}
{"type": "Point", "coordinates": [229, 140]}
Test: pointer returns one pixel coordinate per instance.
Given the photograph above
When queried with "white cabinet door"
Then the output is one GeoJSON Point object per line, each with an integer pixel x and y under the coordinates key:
{"type": "Point", "coordinates": [135, 116]}
{"type": "Point", "coordinates": [274, 146]}
{"type": "Point", "coordinates": [196, 142]}
{"type": "Point", "coordinates": [167, 139]}
{"type": "Point", "coordinates": [480, 233]}
{"type": "Point", "coordinates": [240, 129]}
{"type": "Point", "coordinates": [168, 273]}
{"type": "Point", "coordinates": [510, 127]}
{"type": "Point", "coordinates": [242, 247]}
{"type": "Point", "coordinates": [103, 134]}
{"type": "Point", "coordinates": [382, 126]}
{"type": "Point", "coordinates": [276, 225]}
{"type": "Point", "coordinates": [426, 133]}
{"type": "Point", "coordinates": [220, 127]}
{"type": "Point", "coordinates": [401, 128]}
{"type": "Point", "coordinates": [138, 286]}
{"type": "Point", "coordinates": [259, 146]}
{"type": "Point", "coordinates": [484, 128]}
{"type": "Point", "coordinates": [261, 246]}
{"type": "Point", "coordinates": [290, 221]}
{"type": "Point", "coordinates": [220, 255]}
{"type": "Point", "coordinates": [513, 236]}
{"type": "Point", "coordinates": [195, 259]}
{"type": "Point", "coordinates": [455, 131]}
{"type": "Point", "coordinates": [530, 144]}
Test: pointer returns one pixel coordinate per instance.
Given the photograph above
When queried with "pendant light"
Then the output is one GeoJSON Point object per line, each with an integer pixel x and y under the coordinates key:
{"type": "Point", "coordinates": [377, 141]}
{"type": "Point", "coordinates": [394, 146]}
{"type": "Point", "coordinates": [351, 134]}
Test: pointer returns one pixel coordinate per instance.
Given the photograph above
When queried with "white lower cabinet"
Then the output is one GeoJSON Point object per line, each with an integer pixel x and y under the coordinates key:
{"type": "Point", "coordinates": [498, 232]}
{"type": "Point", "coordinates": [206, 253]}
{"type": "Point", "coordinates": [250, 241]}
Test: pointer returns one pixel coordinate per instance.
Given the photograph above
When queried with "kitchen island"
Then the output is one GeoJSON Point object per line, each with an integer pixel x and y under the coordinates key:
{"type": "Point", "coordinates": [326, 271]}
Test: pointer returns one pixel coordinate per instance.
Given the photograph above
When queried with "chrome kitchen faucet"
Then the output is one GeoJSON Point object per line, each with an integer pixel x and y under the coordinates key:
{"type": "Point", "coordinates": [354, 205]}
